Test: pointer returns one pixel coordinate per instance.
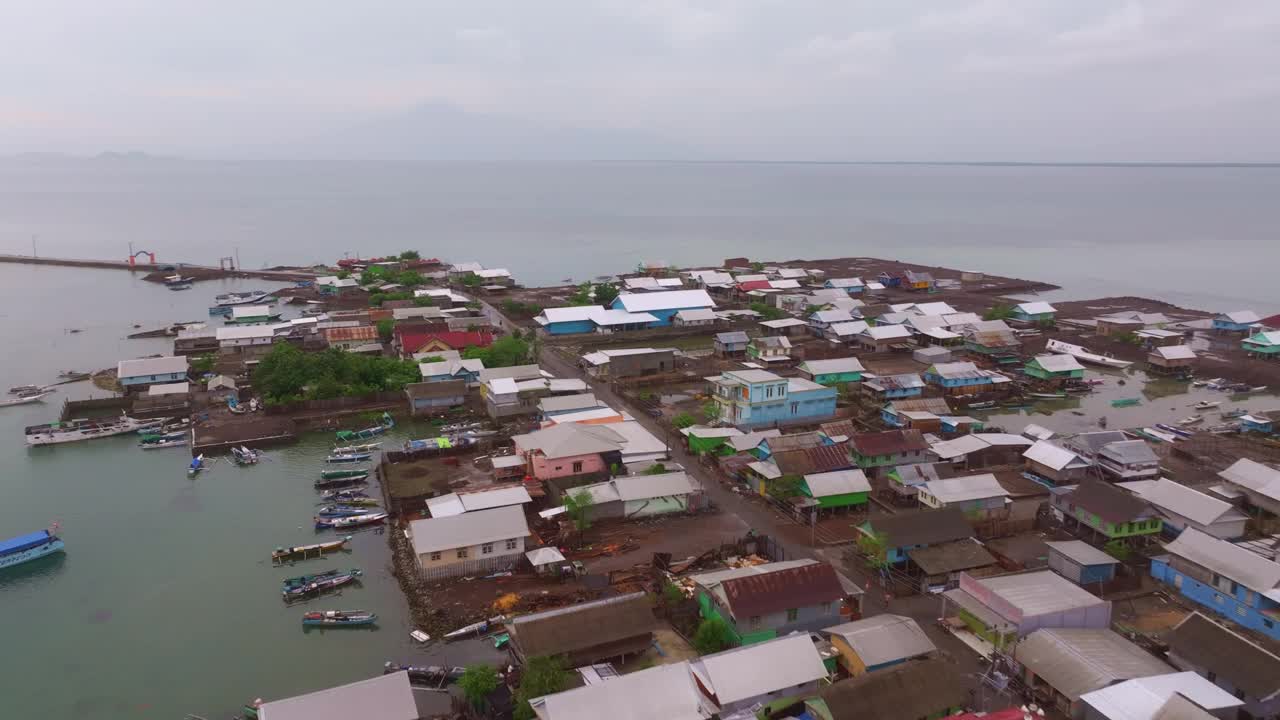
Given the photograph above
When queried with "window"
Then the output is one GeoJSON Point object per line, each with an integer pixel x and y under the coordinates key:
{"type": "Point", "coordinates": [768, 391]}
{"type": "Point", "coordinates": [1177, 581]}
{"type": "Point", "coordinates": [826, 608]}
{"type": "Point", "coordinates": [435, 556]}
{"type": "Point", "coordinates": [486, 549]}
{"type": "Point", "coordinates": [755, 622]}
{"type": "Point", "coordinates": [577, 466]}
{"type": "Point", "coordinates": [462, 553]}
{"type": "Point", "coordinates": [511, 544]}
{"type": "Point", "coordinates": [1211, 676]}
{"type": "Point", "coordinates": [793, 614]}
{"type": "Point", "coordinates": [1268, 624]}
{"type": "Point", "coordinates": [795, 408]}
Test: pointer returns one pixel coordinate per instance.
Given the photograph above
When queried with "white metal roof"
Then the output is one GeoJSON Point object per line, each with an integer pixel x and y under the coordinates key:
{"type": "Point", "coordinates": [1039, 593]}
{"type": "Point", "coordinates": [244, 311]}
{"type": "Point", "coordinates": [1249, 569]}
{"type": "Point", "coordinates": [1172, 352]}
{"type": "Point", "coordinates": [248, 332]}
{"type": "Point", "coordinates": [1036, 308]}
{"type": "Point", "coordinates": [845, 329]}
{"type": "Point", "coordinates": [884, 638]}
{"type": "Point", "coordinates": [1192, 504]}
{"type": "Point", "coordinates": [834, 365]}
{"type": "Point", "coordinates": [581, 401]}
{"type": "Point", "coordinates": [1052, 456]}
{"type": "Point", "coordinates": [578, 416]}
{"type": "Point", "coordinates": [792, 272]}
{"type": "Point", "coordinates": [1241, 316]}
{"type": "Point", "coordinates": [959, 447]}
{"type": "Point", "coordinates": [933, 308]}
{"type": "Point", "coordinates": [467, 529]}
{"type": "Point", "coordinates": [831, 316]}
{"type": "Point", "coordinates": [939, 333]}
{"type": "Point", "coordinates": [620, 317]}
{"type": "Point", "coordinates": [1082, 552]}
{"type": "Point", "coordinates": [665, 691]}
{"type": "Point", "coordinates": [445, 505]}
{"type": "Point", "coordinates": [1075, 661]}
{"type": "Point", "coordinates": [767, 470]}
{"type": "Point", "coordinates": [178, 388]}
{"type": "Point", "coordinates": [698, 315]}
{"type": "Point", "coordinates": [507, 461]}
{"type": "Point", "coordinates": [570, 440]}
{"type": "Point", "coordinates": [752, 439]}
{"type": "Point", "coordinates": [1143, 698]}
{"type": "Point", "coordinates": [544, 556]}
{"type": "Point", "coordinates": [152, 366]}
{"type": "Point", "coordinates": [962, 489]}
{"type": "Point", "coordinates": [844, 282]}
{"type": "Point", "coordinates": [887, 332]}
{"type": "Point", "coordinates": [496, 497]}
{"type": "Point", "coordinates": [795, 385]}
{"type": "Point", "coordinates": [703, 431]}
{"type": "Point", "coordinates": [760, 668]}
{"type": "Point", "coordinates": [783, 323]}
{"type": "Point", "coordinates": [1058, 363]}
{"type": "Point", "coordinates": [388, 697]}
{"type": "Point", "coordinates": [671, 300]}
{"type": "Point", "coordinates": [644, 487]}
{"type": "Point", "coordinates": [839, 482]}
{"type": "Point", "coordinates": [1037, 432]}
{"type": "Point", "coordinates": [1254, 476]}
{"type": "Point", "coordinates": [503, 386]}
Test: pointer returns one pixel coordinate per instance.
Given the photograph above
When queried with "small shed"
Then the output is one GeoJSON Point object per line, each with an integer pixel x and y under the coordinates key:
{"type": "Point", "coordinates": [506, 467]}
{"type": "Point", "coordinates": [545, 561]}
{"type": "Point", "coordinates": [930, 354]}
{"type": "Point", "coordinates": [1081, 563]}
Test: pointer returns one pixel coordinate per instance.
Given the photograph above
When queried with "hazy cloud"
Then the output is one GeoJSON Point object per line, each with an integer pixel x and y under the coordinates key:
{"type": "Point", "coordinates": [771, 79]}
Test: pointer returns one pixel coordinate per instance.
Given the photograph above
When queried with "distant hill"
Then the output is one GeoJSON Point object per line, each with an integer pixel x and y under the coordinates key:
{"type": "Point", "coordinates": [439, 132]}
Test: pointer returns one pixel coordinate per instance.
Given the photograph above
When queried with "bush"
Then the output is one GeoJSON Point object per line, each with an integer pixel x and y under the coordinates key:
{"type": "Point", "coordinates": [713, 635]}
{"type": "Point", "coordinates": [203, 363]}
{"type": "Point", "coordinates": [410, 255]}
{"type": "Point", "coordinates": [471, 280]}
{"type": "Point", "coordinates": [605, 293]}
{"type": "Point", "coordinates": [768, 312]}
{"type": "Point", "coordinates": [386, 328]}
{"type": "Point", "coordinates": [504, 352]}
{"type": "Point", "coordinates": [711, 411]}
{"type": "Point", "coordinates": [998, 312]}
{"type": "Point", "coordinates": [542, 676]}
{"type": "Point", "coordinates": [410, 278]}
{"type": "Point", "coordinates": [683, 420]}
{"type": "Point", "coordinates": [655, 469]}
{"type": "Point", "coordinates": [423, 301]}
{"type": "Point", "coordinates": [287, 374]}
{"type": "Point", "coordinates": [477, 682]}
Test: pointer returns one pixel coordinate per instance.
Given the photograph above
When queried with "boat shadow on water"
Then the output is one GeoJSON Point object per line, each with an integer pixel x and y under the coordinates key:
{"type": "Point", "coordinates": [33, 572]}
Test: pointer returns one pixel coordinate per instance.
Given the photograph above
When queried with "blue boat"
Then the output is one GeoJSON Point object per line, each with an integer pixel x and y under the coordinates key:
{"type": "Point", "coordinates": [331, 511]}
{"type": "Point", "coordinates": [26, 548]}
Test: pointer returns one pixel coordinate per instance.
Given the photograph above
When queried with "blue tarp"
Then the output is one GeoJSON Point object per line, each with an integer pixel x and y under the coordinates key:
{"type": "Point", "coordinates": [22, 542]}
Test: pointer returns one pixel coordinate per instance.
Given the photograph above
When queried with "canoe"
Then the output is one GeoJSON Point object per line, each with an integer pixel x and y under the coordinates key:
{"type": "Point", "coordinates": [355, 501]}
{"type": "Point", "coordinates": [373, 518]}
{"type": "Point", "coordinates": [1047, 396]}
{"type": "Point", "coordinates": [338, 474]}
{"type": "Point", "coordinates": [348, 435]}
{"type": "Point", "coordinates": [339, 618]}
{"type": "Point", "coordinates": [476, 628]}
{"type": "Point", "coordinates": [302, 552]}
{"type": "Point", "coordinates": [308, 579]}
{"type": "Point", "coordinates": [348, 449]}
{"type": "Point", "coordinates": [342, 481]}
{"type": "Point", "coordinates": [1175, 430]}
{"type": "Point", "coordinates": [161, 444]}
{"type": "Point", "coordinates": [338, 511]}
{"type": "Point", "coordinates": [348, 458]}
{"type": "Point", "coordinates": [319, 586]}
{"type": "Point", "coordinates": [357, 491]}
{"type": "Point", "coordinates": [1126, 402]}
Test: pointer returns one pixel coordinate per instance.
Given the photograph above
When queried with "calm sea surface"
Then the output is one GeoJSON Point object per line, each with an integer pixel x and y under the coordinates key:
{"type": "Point", "coordinates": [1204, 237]}
{"type": "Point", "coordinates": [166, 602]}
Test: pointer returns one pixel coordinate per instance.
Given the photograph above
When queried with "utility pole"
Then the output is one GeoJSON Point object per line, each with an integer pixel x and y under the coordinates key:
{"type": "Point", "coordinates": [33, 246]}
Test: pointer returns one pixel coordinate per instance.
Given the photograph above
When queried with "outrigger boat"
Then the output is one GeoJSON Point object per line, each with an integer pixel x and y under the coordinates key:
{"type": "Point", "coordinates": [339, 618]}
{"type": "Point", "coordinates": [73, 430]}
{"type": "Point", "coordinates": [368, 518]}
{"type": "Point", "coordinates": [434, 675]}
{"type": "Point", "coordinates": [345, 495]}
{"type": "Point", "coordinates": [341, 511]}
{"type": "Point", "coordinates": [348, 457]}
{"type": "Point", "coordinates": [1047, 395]}
{"type": "Point", "coordinates": [360, 501]}
{"type": "Point", "coordinates": [1191, 420]}
{"type": "Point", "coordinates": [324, 584]}
{"type": "Point", "coordinates": [337, 474]}
{"type": "Point", "coordinates": [25, 389]}
{"type": "Point", "coordinates": [1175, 430]}
{"type": "Point", "coordinates": [240, 298]}
{"type": "Point", "coordinates": [387, 423]}
{"type": "Point", "coordinates": [304, 552]}
{"type": "Point", "coordinates": [302, 580]}
{"type": "Point", "coordinates": [155, 437]}
{"type": "Point", "coordinates": [350, 449]}
{"type": "Point", "coordinates": [476, 628]}
{"type": "Point", "coordinates": [166, 427]}
{"type": "Point", "coordinates": [166, 442]}
{"type": "Point", "coordinates": [197, 465]}
{"type": "Point", "coordinates": [338, 482]}
{"type": "Point", "coordinates": [244, 455]}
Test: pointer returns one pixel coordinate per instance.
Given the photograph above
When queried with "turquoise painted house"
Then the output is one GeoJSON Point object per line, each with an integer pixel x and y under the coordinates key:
{"type": "Point", "coordinates": [1054, 368]}
{"type": "Point", "coordinates": [849, 285]}
{"type": "Point", "coordinates": [1034, 312]}
{"type": "Point", "coordinates": [144, 372]}
{"type": "Point", "coordinates": [837, 371]}
{"type": "Point", "coordinates": [758, 398]}
{"type": "Point", "coordinates": [959, 377]}
{"type": "Point", "coordinates": [1263, 344]}
{"type": "Point", "coordinates": [1257, 423]}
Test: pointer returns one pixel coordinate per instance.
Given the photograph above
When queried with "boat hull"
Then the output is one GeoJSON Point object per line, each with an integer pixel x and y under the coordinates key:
{"type": "Point", "coordinates": [53, 547]}
{"type": "Point", "coordinates": [100, 430]}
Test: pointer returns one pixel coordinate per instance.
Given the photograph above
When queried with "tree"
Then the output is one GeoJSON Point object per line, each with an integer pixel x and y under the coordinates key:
{"type": "Point", "coordinates": [504, 352]}
{"type": "Point", "coordinates": [471, 280]}
{"type": "Point", "coordinates": [343, 274]}
{"type": "Point", "coordinates": [874, 547]}
{"type": "Point", "coordinates": [374, 274]}
{"type": "Point", "coordinates": [768, 312]}
{"type": "Point", "coordinates": [785, 487]}
{"type": "Point", "coordinates": [423, 301]}
{"type": "Point", "coordinates": [583, 296]}
{"type": "Point", "coordinates": [542, 676]}
{"type": "Point", "coordinates": [578, 506]}
{"type": "Point", "coordinates": [683, 420]}
{"type": "Point", "coordinates": [386, 328]}
{"type": "Point", "coordinates": [287, 374]}
{"type": "Point", "coordinates": [711, 411]}
{"type": "Point", "coordinates": [655, 469]}
{"type": "Point", "coordinates": [477, 682]}
{"type": "Point", "coordinates": [410, 255]}
{"type": "Point", "coordinates": [998, 312]}
{"type": "Point", "coordinates": [757, 267]}
{"type": "Point", "coordinates": [410, 278]}
{"type": "Point", "coordinates": [713, 635]}
{"type": "Point", "coordinates": [605, 294]}
{"type": "Point", "coordinates": [672, 595]}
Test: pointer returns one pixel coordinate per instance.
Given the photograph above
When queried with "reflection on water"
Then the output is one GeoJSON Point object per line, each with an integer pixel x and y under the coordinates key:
{"type": "Point", "coordinates": [30, 576]}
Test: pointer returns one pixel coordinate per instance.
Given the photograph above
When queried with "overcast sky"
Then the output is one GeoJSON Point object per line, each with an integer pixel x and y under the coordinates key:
{"type": "Point", "coordinates": [760, 79]}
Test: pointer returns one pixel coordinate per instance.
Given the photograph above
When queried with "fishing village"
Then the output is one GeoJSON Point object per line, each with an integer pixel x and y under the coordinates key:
{"type": "Point", "coordinates": [811, 489]}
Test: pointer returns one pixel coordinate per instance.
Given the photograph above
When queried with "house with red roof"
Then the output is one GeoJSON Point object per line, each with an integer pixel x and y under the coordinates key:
{"type": "Point", "coordinates": [410, 339]}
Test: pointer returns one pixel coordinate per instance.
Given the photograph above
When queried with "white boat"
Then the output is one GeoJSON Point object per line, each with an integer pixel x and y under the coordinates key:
{"type": "Point", "coordinates": [241, 298]}
{"type": "Point", "coordinates": [1207, 404]}
{"type": "Point", "coordinates": [355, 449]}
{"type": "Point", "coordinates": [74, 430]}
{"type": "Point", "coordinates": [23, 399]}
{"type": "Point", "coordinates": [161, 444]}
{"type": "Point", "coordinates": [1083, 355]}
{"type": "Point", "coordinates": [1191, 420]}
{"type": "Point", "coordinates": [476, 628]}
{"type": "Point", "coordinates": [25, 389]}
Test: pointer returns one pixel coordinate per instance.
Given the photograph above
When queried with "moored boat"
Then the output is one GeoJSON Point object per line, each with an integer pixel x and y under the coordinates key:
{"type": "Point", "coordinates": [340, 511]}
{"type": "Point", "coordinates": [1191, 420]}
{"type": "Point", "coordinates": [303, 552]}
{"type": "Point", "coordinates": [425, 674]}
{"type": "Point", "coordinates": [1126, 402]}
{"type": "Point", "coordinates": [244, 455]}
{"type": "Point", "coordinates": [241, 298]}
{"type": "Point", "coordinates": [1229, 414]}
{"type": "Point", "coordinates": [476, 628]}
{"type": "Point", "coordinates": [1207, 404]}
{"type": "Point", "coordinates": [1084, 355]}
{"type": "Point", "coordinates": [348, 435]}
{"type": "Point", "coordinates": [353, 493]}
{"type": "Point", "coordinates": [32, 546]}
{"type": "Point", "coordinates": [350, 449]}
{"type": "Point", "coordinates": [337, 474]}
{"type": "Point", "coordinates": [363, 502]}
{"type": "Point", "coordinates": [321, 585]}
{"type": "Point", "coordinates": [24, 389]}
{"type": "Point", "coordinates": [368, 518]}
{"type": "Point", "coordinates": [197, 465]}
{"type": "Point", "coordinates": [344, 481]}
{"type": "Point", "coordinates": [180, 441]}
{"type": "Point", "coordinates": [1047, 395]}
{"type": "Point", "coordinates": [339, 618]}
{"type": "Point", "coordinates": [75, 430]}
{"type": "Point", "coordinates": [348, 458]}
{"type": "Point", "coordinates": [301, 580]}
{"type": "Point", "coordinates": [24, 399]}
{"type": "Point", "coordinates": [1175, 430]}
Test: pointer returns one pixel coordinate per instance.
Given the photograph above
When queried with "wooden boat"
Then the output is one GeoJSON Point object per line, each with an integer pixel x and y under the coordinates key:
{"type": "Point", "coordinates": [244, 455]}
{"type": "Point", "coordinates": [1126, 402]}
{"type": "Point", "coordinates": [368, 518]}
{"type": "Point", "coordinates": [1191, 420]}
{"type": "Point", "coordinates": [180, 441]}
{"type": "Point", "coordinates": [1156, 435]}
{"type": "Point", "coordinates": [242, 298]}
{"type": "Point", "coordinates": [197, 465]}
{"type": "Point", "coordinates": [315, 577]}
{"type": "Point", "coordinates": [339, 618]}
{"type": "Point", "coordinates": [1047, 396]}
{"type": "Point", "coordinates": [24, 389]}
{"type": "Point", "coordinates": [325, 584]}
{"type": "Point", "coordinates": [303, 552]}
{"type": "Point", "coordinates": [155, 437]}
{"type": "Point", "coordinates": [433, 675]}
{"type": "Point", "coordinates": [387, 423]}
{"type": "Point", "coordinates": [476, 628]}
{"type": "Point", "coordinates": [350, 449]}
{"type": "Point", "coordinates": [348, 458]}
{"type": "Point", "coordinates": [1175, 430]}
{"type": "Point", "coordinates": [340, 511]}
{"type": "Point", "coordinates": [360, 502]}
{"type": "Point", "coordinates": [338, 482]}
{"type": "Point", "coordinates": [337, 474]}
{"type": "Point", "coordinates": [1229, 414]}
{"type": "Point", "coordinates": [355, 492]}
{"type": "Point", "coordinates": [1207, 404]}
{"type": "Point", "coordinates": [24, 399]}
{"type": "Point", "coordinates": [982, 405]}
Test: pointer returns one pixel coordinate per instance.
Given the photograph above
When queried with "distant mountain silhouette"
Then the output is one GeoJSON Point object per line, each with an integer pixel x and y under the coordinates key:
{"type": "Point", "coordinates": [440, 132]}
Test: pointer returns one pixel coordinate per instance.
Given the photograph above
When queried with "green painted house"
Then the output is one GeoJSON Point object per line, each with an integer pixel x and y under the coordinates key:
{"type": "Point", "coordinates": [1108, 510]}
{"type": "Point", "coordinates": [708, 440]}
{"type": "Point", "coordinates": [761, 602]}
{"type": "Point", "coordinates": [1264, 344]}
{"type": "Point", "coordinates": [1054, 368]}
{"type": "Point", "coordinates": [876, 452]}
{"type": "Point", "coordinates": [837, 489]}
{"type": "Point", "coordinates": [836, 371]}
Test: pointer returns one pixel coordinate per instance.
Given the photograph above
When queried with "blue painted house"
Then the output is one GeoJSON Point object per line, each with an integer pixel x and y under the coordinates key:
{"type": "Point", "coordinates": [890, 280]}
{"type": "Point", "coordinates": [754, 398]}
{"type": "Point", "coordinates": [852, 286]}
{"type": "Point", "coordinates": [145, 372]}
{"type": "Point", "coordinates": [1225, 578]}
{"type": "Point", "coordinates": [592, 318]}
{"type": "Point", "coordinates": [894, 387]}
{"type": "Point", "coordinates": [957, 378]}
{"type": "Point", "coordinates": [663, 305]}
{"type": "Point", "coordinates": [1237, 321]}
{"type": "Point", "coordinates": [896, 535]}
{"type": "Point", "coordinates": [1257, 423]}
{"type": "Point", "coordinates": [467, 371]}
{"type": "Point", "coordinates": [1034, 312]}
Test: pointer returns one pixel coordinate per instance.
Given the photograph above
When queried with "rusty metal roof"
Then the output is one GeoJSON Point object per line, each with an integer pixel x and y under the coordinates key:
{"type": "Point", "coordinates": [797, 587]}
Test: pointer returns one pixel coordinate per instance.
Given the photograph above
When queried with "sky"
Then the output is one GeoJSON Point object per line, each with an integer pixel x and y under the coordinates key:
{"type": "Point", "coordinates": [948, 80]}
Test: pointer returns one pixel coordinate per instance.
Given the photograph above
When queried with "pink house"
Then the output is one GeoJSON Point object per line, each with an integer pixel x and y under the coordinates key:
{"type": "Point", "coordinates": [569, 449]}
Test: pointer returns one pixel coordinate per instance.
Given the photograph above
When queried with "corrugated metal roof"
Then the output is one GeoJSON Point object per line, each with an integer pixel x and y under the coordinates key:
{"type": "Point", "coordinates": [1241, 317]}
{"type": "Point", "coordinates": [1081, 552]}
{"type": "Point", "coordinates": [569, 440]}
{"type": "Point", "coordinates": [888, 442]}
{"type": "Point", "coordinates": [1050, 455]}
{"type": "Point", "coordinates": [839, 482]}
{"type": "Point", "coordinates": [669, 300]}
{"type": "Point", "coordinates": [835, 365]}
{"type": "Point", "coordinates": [153, 366]}
{"type": "Point", "coordinates": [846, 329]}
{"type": "Point", "coordinates": [388, 697]}
{"type": "Point", "coordinates": [1232, 656]}
{"type": "Point", "coordinates": [1254, 476]}
{"type": "Point", "coordinates": [1058, 363]}
{"type": "Point", "coordinates": [1075, 661]}
{"type": "Point", "coordinates": [468, 529]}
{"type": "Point", "coordinates": [1143, 698]}
{"type": "Point", "coordinates": [1039, 593]}
{"type": "Point", "coordinates": [964, 489]}
{"type": "Point", "coordinates": [665, 691]}
{"type": "Point", "coordinates": [797, 587]}
{"type": "Point", "coordinates": [760, 668]}
{"type": "Point", "coordinates": [1253, 571]}
{"type": "Point", "coordinates": [884, 638]}
{"type": "Point", "coordinates": [1035, 308]}
{"type": "Point", "coordinates": [1192, 504]}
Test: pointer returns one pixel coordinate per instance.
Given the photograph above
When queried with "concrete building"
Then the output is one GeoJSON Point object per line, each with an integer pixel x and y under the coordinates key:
{"type": "Point", "coordinates": [475, 542]}
{"type": "Point", "coordinates": [753, 398]}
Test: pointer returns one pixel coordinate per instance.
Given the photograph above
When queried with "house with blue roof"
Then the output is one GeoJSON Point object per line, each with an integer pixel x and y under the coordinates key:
{"type": "Point", "coordinates": [961, 377]}
{"type": "Point", "coordinates": [663, 305]}
{"type": "Point", "coordinates": [593, 318]}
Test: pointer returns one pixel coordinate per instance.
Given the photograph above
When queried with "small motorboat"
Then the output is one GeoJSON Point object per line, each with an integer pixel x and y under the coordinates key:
{"type": "Point", "coordinates": [340, 511]}
{"type": "Point", "coordinates": [339, 474]}
{"type": "Point", "coordinates": [339, 618]}
{"type": "Point", "coordinates": [196, 466]}
{"type": "Point", "coordinates": [1207, 404]}
{"type": "Point", "coordinates": [244, 455]}
{"type": "Point", "coordinates": [353, 449]}
{"type": "Point", "coordinates": [1047, 395]}
{"type": "Point", "coordinates": [360, 502]}
{"type": "Point", "coordinates": [25, 389]}
{"type": "Point", "coordinates": [316, 577]}
{"type": "Point", "coordinates": [303, 552]}
{"type": "Point", "coordinates": [325, 584]}
{"type": "Point", "coordinates": [387, 423]}
{"type": "Point", "coordinates": [344, 481]}
{"type": "Point", "coordinates": [368, 518]}
{"type": "Point", "coordinates": [476, 628]}
{"type": "Point", "coordinates": [24, 399]}
{"type": "Point", "coordinates": [180, 441]}
{"type": "Point", "coordinates": [345, 495]}
{"type": "Point", "coordinates": [348, 457]}
{"type": "Point", "coordinates": [1126, 402]}
{"type": "Point", "coordinates": [1175, 430]}
{"type": "Point", "coordinates": [1191, 420]}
